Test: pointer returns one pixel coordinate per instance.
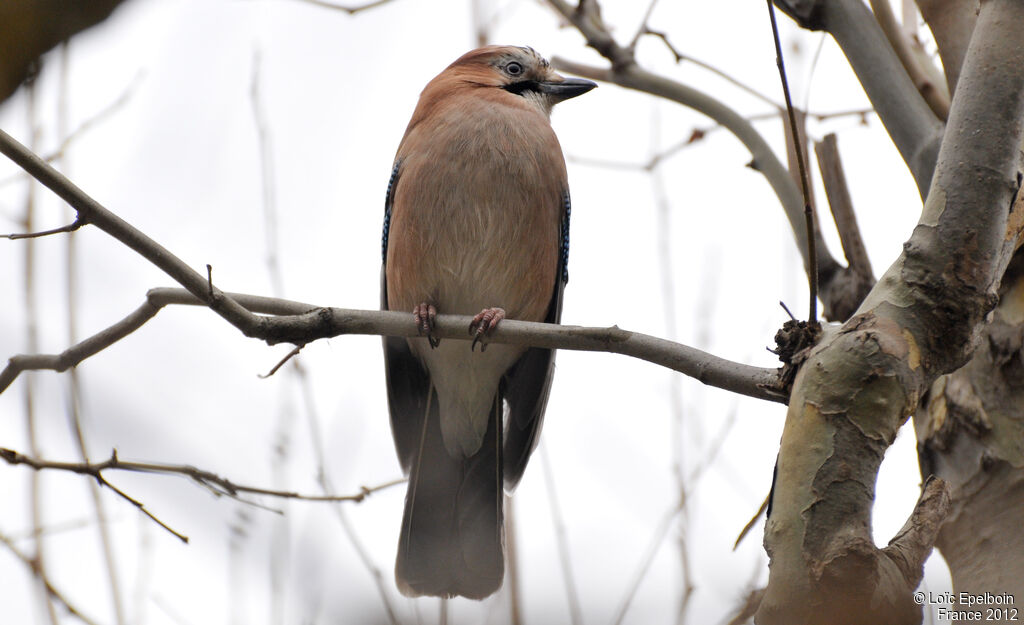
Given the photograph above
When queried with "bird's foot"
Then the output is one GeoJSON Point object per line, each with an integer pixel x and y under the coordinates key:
{"type": "Point", "coordinates": [425, 314]}
{"type": "Point", "coordinates": [483, 324]}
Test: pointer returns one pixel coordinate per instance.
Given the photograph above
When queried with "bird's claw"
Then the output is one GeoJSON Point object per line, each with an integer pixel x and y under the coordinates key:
{"type": "Point", "coordinates": [483, 324]}
{"type": "Point", "coordinates": [425, 314]}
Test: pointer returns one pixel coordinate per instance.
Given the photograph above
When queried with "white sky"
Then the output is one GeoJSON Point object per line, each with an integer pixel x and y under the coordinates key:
{"type": "Point", "coordinates": [180, 161]}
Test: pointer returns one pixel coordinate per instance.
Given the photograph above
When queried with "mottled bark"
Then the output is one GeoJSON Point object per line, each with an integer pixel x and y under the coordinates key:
{"type": "Point", "coordinates": [863, 380]}
{"type": "Point", "coordinates": [970, 431]}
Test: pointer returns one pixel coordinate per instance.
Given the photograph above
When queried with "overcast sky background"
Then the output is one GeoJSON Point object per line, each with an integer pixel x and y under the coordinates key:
{"type": "Point", "coordinates": [180, 160]}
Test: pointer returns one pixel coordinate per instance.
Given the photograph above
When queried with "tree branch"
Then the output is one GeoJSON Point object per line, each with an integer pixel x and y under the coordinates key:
{"type": "Point", "coordinates": [913, 543]}
{"type": "Point", "coordinates": [92, 212]}
{"type": "Point", "coordinates": [306, 323]}
{"type": "Point", "coordinates": [846, 290]}
{"type": "Point", "coordinates": [798, 143]}
{"type": "Point", "coordinates": [351, 10]}
{"type": "Point", "coordinates": [951, 24]}
{"type": "Point", "coordinates": [933, 93]}
{"type": "Point", "coordinates": [51, 590]}
{"type": "Point", "coordinates": [299, 324]}
{"type": "Point", "coordinates": [214, 483]}
{"type": "Point", "coordinates": [626, 73]}
{"type": "Point", "coordinates": [913, 128]}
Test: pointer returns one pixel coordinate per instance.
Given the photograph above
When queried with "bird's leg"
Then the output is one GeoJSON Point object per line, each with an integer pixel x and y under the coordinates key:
{"type": "Point", "coordinates": [425, 314]}
{"type": "Point", "coordinates": [483, 323]}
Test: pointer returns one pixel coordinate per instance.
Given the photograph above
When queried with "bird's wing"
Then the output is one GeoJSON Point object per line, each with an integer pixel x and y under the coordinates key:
{"type": "Point", "coordinates": [407, 381]}
{"type": "Point", "coordinates": [527, 384]}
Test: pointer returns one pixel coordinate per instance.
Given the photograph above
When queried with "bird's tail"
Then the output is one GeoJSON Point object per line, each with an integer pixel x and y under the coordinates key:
{"type": "Point", "coordinates": [451, 540]}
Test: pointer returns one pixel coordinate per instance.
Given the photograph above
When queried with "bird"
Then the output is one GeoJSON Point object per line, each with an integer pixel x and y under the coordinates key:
{"type": "Point", "coordinates": [476, 222]}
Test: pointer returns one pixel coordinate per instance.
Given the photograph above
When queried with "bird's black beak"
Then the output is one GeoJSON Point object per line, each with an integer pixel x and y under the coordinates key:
{"type": "Point", "coordinates": [568, 88]}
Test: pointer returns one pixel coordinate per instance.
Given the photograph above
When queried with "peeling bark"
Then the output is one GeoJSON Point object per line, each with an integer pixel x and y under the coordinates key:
{"type": "Point", "coordinates": [970, 431]}
{"type": "Point", "coordinates": [864, 379]}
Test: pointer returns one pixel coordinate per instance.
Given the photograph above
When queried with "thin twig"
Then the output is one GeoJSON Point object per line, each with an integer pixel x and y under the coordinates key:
{"type": "Point", "coordinates": [698, 134]}
{"type": "Point", "coordinates": [561, 539]}
{"type": "Point", "coordinates": [280, 549]}
{"type": "Point", "coordinates": [316, 322]}
{"type": "Point", "coordinates": [645, 562]}
{"type": "Point", "coordinates": [323, 478]}
{"type": "Point", "coordinates": [644, 29]}
{"type": "Point", "coordinates": [96, 214]}
{"type": "Point", "coordinates": [51, 590]}
{"type": "Point", "coordinates": [293, 353]}
{"type": "Point", "coordinates": [267, 177]}
{"type": "Point", "coordinates": [32, 317]}
{"type": "Point", "coordinates": [71, 227]}
{"type": "Point", "coordinates": [680, 57]}
{"type": "Point", "coordinates": [211, 481]}
{"type": "Point", "coordinates": [74, 407]}
{"type": "Point", "coordinates": [141, 507]}
{"type": "Point", "coordinates": [626, 72]}
{"type": "Point", "coordinates": [84, 127]}
{"type": "Point", "coordinates": [512, 581]}
{"type": "Point", "coordinates": [812, 257]}
{"type": "Point", "coordinates": [788, 311]}
{"type": "Point", "coordinates": [351, 10]}
{"type": "Point", "coordinates": [677, 411]}
{"type": "Point", "coordinates": [751, 523]}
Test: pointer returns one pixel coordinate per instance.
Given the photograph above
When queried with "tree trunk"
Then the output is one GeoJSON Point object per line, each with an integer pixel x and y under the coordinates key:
{"type": "Point", "coordinates": [862, 381]}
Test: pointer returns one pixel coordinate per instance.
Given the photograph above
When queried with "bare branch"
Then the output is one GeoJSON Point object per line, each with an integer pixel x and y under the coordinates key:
{"type": "Point", "coordinates": [798, 147]}
{"type": "Point", "coordinates": [351, 10]}
{"type": "Point", "coordinates": [645, 562]}
{"type": "Point", "coordinates": [95, 470]}
{"type": "Point", "coordinates": [71, 227]}
{"type": "Point", "coordinates": [831, 167]}
{"type": "Point", "coordinates": [933, 93]}
{"type": "Point", "coordinates": [94, 213]}
{"type": "Point", "coordinates": [745, 612]}
{"type": "Point", "coordinates": [680, 57]}
{"type": "Point", "coordinates": [300, 323]}
{"type": "Point", "coordinates": [36, 511]}
{"type": "Point", "coordinates": [288, 356]}
{"type": "Point", "coordinates": [848, 287]}
{"type": "Point", "coordinates": [752, 522]}
{"type": "Point", "coordinates": [645, 29]}
{"type": "Point", "coordinates": [914, 542]}
{"type": "Point", "coordinates": [78, 352]}
{"type": "Point", "coordinates": [216, 484]}
{"type": "Point", "coordinates": [698, 134]}
{"type": "Point", "coordinates": [951, 24]}
{"type": "Point", "coordinates": [51, 590]}
{"type": "Point", "coordinates": [561, 539]}
{"type": "Point", "coordinates": [305, 323]}
{"type": "Point", "coordinates": [85, 126]}
{"type": "Point", "coordinates": [913, 127]}
{"type": "Point", "coordinates": [625, 72]}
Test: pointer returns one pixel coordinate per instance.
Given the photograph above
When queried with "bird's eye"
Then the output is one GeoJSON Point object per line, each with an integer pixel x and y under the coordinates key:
{"type": "Point", "coordinates": [514, 69]}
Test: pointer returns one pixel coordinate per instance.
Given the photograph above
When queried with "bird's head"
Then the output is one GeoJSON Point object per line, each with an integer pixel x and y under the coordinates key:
{"type": "Point", "coordinates": [518, 71]}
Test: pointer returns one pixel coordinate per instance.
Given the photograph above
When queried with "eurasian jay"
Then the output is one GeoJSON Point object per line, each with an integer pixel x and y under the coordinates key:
{"type": "Point", "coordinates": [476, 221]}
